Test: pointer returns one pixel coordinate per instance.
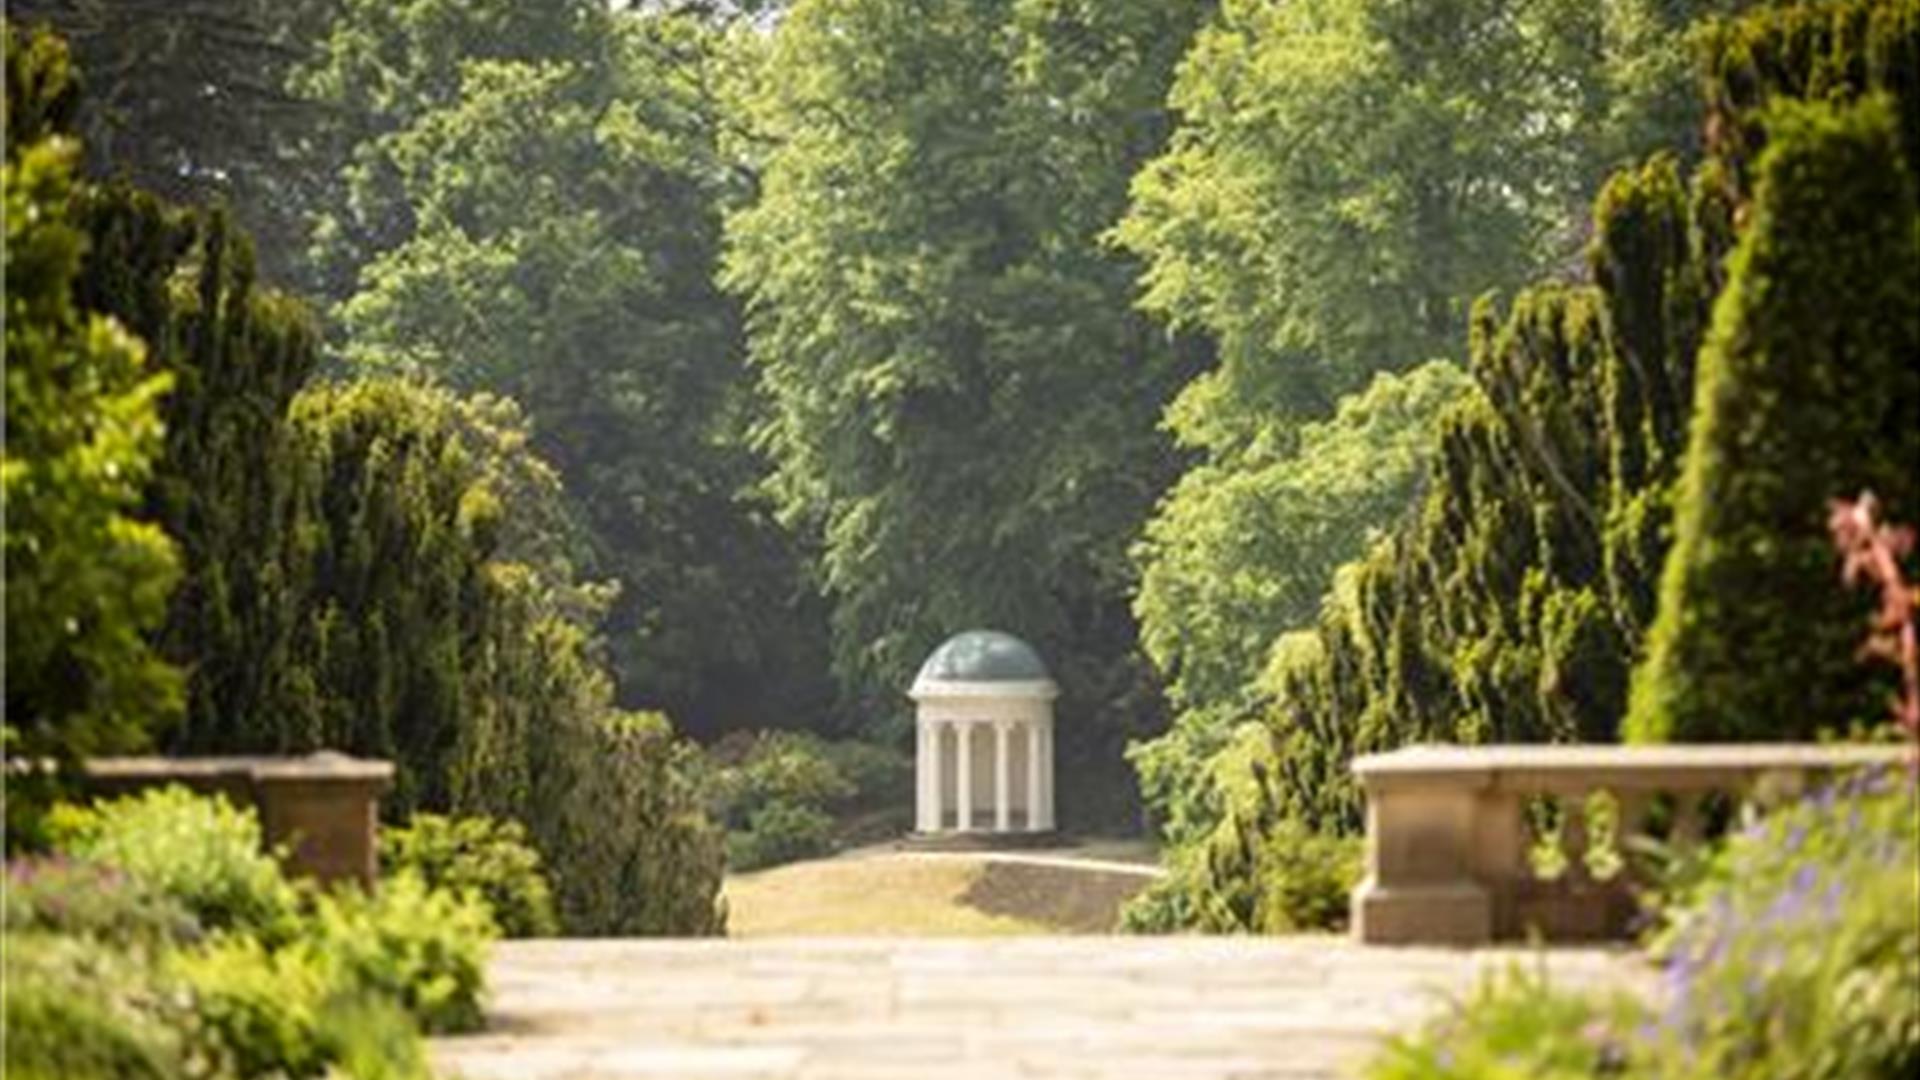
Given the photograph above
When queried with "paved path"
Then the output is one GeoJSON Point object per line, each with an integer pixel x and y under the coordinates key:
{"type": "Point", "coordinates": [964, 1009]}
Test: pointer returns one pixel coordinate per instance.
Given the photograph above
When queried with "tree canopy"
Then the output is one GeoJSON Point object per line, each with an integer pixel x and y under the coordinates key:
{"type": "Point", "coordinates": [960, 403]}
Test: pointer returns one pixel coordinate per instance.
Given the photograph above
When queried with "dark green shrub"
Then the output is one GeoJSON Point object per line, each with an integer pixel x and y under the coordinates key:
{"type": "Point", "coordinates": [1164, 907]}
{"type": "Point", "coordinates": [480, 855]}
{"type": "Point", "coordinates": [786, 795]}
{"type": "Point", "coordinates": [1807, 392]}
{"type": "Point", "coordinates": [767, 767]}
{"type": "Point", "coordinates": [1285, 879]}
{"type": "Point", "coordinates": [421, 948]}
{"type": "Point", "coordinates": [1306, 879]}
{"type": "Point", "coordinates": [632, 849]}
{"type": "Point", "coordinates": [78, 1011]}
{"type": "Point", "coordinates": [1833, 50]}
{"type": "Point", "coordinates": [778, 832]}
{"type": "Point", "coordinates": [90, 900]}
{"type": "Point", "coordinates": [881, 777]}
{"type": "Point", "coordinates": [198, 851]}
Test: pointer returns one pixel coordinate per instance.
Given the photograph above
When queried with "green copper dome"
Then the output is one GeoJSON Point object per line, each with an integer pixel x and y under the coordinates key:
{"type": "Point", "coordinates": [983, 656]}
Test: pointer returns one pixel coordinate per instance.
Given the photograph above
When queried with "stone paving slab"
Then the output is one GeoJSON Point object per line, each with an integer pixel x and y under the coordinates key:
{"type": "Point", "coordinates": [1113, 1008]}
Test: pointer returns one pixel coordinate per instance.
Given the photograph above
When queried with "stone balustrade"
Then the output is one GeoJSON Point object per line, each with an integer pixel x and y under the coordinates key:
{"type": "Point", "coordinates": [1456, 836]}
{"type": "Point", "coordinates": [324, 808]}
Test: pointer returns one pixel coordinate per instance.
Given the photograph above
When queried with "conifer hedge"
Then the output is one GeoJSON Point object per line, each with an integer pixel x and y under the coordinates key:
{"type": "Point", "coordinates": [380, 567]}
{"type": "Point", "coordinates": [85, 579]}
{"type": "Point", "coordinates": [1513, 602]}
{"type": "Point", "coordinates": [1809, 390]}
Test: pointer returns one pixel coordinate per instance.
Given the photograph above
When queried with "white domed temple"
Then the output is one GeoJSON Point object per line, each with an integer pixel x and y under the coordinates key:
{"type": "Point", "coordinates": [985, 737]}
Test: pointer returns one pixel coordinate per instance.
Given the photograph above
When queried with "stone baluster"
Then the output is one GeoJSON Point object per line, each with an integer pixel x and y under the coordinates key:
{"type": "Point", "coordinates": [1629, 832]}
{"type": "Point", "coordinates": [1575, 841]}
{"type": "Point", "coordinates": [1689, 821]}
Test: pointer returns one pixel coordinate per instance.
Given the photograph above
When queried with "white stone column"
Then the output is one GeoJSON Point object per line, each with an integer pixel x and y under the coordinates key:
{"type": "Point", "coordinates": [1002, 802]}
{"type": "Point", "coordinates": [1047, 777]}
{"type": "Point", "coordinates": [1033, 775]}
{"type": "Point", "coordinates": [919, 776]}
{"type": "Point", "coordinates": [930, 786]}
{"type": "Point", "coordinates": [963, 778]}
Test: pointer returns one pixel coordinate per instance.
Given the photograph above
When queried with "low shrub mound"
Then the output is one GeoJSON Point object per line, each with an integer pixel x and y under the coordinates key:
{"type": "Point", "coordinates": [202, 853]}
{"type": "Point", "coordinates": [490, 858]}
{"type": "Point", "coordinates": [786, 795]}
{"type": "Point", "coordinates": [157, 940]}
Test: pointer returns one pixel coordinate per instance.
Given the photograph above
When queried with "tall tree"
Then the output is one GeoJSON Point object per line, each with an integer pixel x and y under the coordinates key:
{"type": "Point", "coordinates": [380, 65]}
{"type": "Point", "coordinates": [555, 234]}
{"type": "Point", "coordinates": [85, 580]}
{"type": "Point", "coordinates": [1512, 602]}
{"type": "Point", "coordinates": [1241, 552]}
{"type": "Point", "coordinates": [190, 100]}
{"type": "Point", "coordinates": [962, 404]}
{"type": "Point", "coordinates": [1348, 175]}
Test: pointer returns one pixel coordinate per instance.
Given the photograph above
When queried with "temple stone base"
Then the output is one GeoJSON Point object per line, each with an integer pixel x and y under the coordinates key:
{"type": "Point", "coordinates": [983, 840]}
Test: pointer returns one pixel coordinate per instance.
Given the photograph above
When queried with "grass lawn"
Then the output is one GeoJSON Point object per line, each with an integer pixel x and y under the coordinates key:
{"type": "Point", "coordinates": [889, 893]}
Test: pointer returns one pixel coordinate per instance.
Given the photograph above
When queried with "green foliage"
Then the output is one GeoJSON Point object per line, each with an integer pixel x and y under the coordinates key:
{"type": "Point", "coordinates": [1485, 614]}
{"type": "Point", "coordinates": [75, 1011]}
{"type": "Point", "coordinates": [1511, 602]}
{"type": "Point", "coordinates": [77, 898]}
{"type": "Point", "coordinates": [1832, 51]}
{"type": "Point", "coordinates": [1806, 393]}
{"type": "Point", "coordinates": [423, 948]}
{"type": "Point", "coordinates": [258, 1009]}
{"type": "Point", "coordinates": [564, 234]}
{"type": "Point", "coordinates": [1651, 263]}
{"type": "Point", "coordinates": [197, 851]}
{"type": "Point", "coordinates": [421, 636]}
{"type": "Point", "coordinates": [775, 766]}
{"type": "Point", "coordinates": [379, 66]}
{"type": "Point", "coordinates": [1241, 551]}
{"type": "Point", "coordinates": [1254, 869]}
{"type": "Point", "coordinates": [495, 705]}
{"type": "Point", "coordinates": [1348, 174]}
{"type": "Point", "coordinates": [226, 486]}
{"type": "Point", "coordinates": [636, 855]}
{"type": "Point", "coordinates": [1515, 1026]}
{"type": "Point", "coordinates": [779, 831]}
{"type": "Point", "coordinates": [1341, 185]}
{"type": "Point", "coordinates": [961, 406]}
{"type": "Point", "coordinates": [881, 776]}
{"type": "Point", "coordinates": [479, 855]}
{"type": "Point", "coordinates": [786, 795]}
{"type": "Point", "coordinates": [1798, 950]}
{"type": "Point", "coordinates": [85, 578]}
{"type": "Point", "coordinates": [290, 1013]}
{"type": "Point", "coordinates": [1795, 955]}
{"type": "Point", "coordinates": [188, 99]}
{"type": "Point", "coordinates": [287, 983]}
